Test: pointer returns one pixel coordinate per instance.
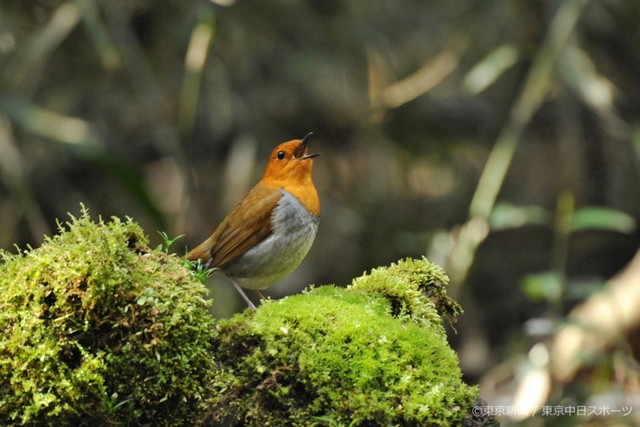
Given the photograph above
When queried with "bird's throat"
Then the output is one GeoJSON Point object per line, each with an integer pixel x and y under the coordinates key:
{"type": "Point", "coordinates": [307, 195]}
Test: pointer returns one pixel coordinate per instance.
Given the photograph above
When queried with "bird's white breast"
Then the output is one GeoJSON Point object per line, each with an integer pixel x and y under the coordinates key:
{"type": "Point", "coordinates": [294, 230]}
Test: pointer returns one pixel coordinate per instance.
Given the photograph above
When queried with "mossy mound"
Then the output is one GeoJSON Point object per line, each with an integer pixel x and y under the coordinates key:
{"type": "Point", "coordinates": [413, 288]}
{"type": "Point", "coordinates": [373, 354]}
{"type": "Point", "coordinates": [96, 328]}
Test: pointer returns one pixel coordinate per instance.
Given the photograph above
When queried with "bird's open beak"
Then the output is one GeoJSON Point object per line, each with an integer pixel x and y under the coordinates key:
{"type": "Point", "coordinates": [301, 151]}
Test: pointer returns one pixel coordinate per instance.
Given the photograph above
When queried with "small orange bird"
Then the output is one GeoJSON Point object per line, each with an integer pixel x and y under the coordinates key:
{"type": "Point", "coordinates": [269, 232]}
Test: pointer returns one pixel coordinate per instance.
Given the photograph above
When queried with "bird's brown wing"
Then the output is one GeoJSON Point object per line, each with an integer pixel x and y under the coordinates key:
{"type": "Point", "coordinates": [248, 224]}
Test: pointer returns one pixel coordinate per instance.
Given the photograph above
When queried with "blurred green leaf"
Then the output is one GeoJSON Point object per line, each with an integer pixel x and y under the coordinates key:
{"type": "Point", "coordinates": [490, 68]}
{"type": "Point", "coordinates": [580, 73]}
{"type": "Point", "coordinates": [74, 133]}
{"type": "Point", "coordinates": [196, 57]}
{"type": "Point", "coordinates": [602, 218]}
{"type": "Point", "coordinates": [506, 215]}
{"type": "Point", "coordinates": [580, 289]}
{"type": "Point", "coordinates": [635, 139]}
{"type": "Point", "coordinates": [40, 45]}
{"type": "Point", "coordinates": [99, 33]}
{"type": "Point", "coordinates": [545, 286]}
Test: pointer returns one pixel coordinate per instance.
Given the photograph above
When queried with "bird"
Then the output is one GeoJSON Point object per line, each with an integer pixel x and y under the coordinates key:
{"type": "Point", "coordinates": [268, 233]}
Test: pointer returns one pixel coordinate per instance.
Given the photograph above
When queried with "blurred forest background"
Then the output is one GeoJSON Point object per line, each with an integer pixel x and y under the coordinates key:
{"type": "Point", "coordinates": [500, 139]}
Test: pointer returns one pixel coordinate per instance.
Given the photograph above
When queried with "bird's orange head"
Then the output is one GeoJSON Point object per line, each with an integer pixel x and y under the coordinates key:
{"type": "Point", "coordinates": [289, 164]}
{"type": "Point", "coordinates": [289, 167]}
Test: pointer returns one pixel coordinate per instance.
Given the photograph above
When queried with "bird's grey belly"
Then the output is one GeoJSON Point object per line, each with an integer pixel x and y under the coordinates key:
{"type": "Point", "coordinates": [294, 230]}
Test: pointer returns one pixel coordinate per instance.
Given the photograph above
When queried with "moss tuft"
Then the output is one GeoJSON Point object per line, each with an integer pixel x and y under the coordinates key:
{"type": "Point", "coordinates": [409, 285]}
{"type": "Point", "coordinates": [97, 328]}
{"type": "Point", "coordinates": [373, 354]}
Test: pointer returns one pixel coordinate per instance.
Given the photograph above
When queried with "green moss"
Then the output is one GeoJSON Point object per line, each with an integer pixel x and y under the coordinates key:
{"type": "Point", "coordinates": [97, 328]}
{"type": "Point", "coordinates": [414, 288]}
{"type": "Point", "coordinates": [373, 354]}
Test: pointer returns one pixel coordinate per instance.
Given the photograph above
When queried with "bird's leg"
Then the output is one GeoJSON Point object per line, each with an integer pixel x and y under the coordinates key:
{"type": "Point", "coordinates": [244, 296]}
{"type": "Point", "coordinates": [258, 293]}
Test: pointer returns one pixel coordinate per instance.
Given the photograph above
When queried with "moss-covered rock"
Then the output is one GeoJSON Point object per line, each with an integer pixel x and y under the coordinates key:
{"type": "Point", "coordinates": [96, 328]}
{"type": "Point", "coordinates": [372, 354]}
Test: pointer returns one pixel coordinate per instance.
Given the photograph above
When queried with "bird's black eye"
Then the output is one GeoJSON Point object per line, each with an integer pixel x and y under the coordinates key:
{"type": "Point", "coordinates": [280, 155]}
